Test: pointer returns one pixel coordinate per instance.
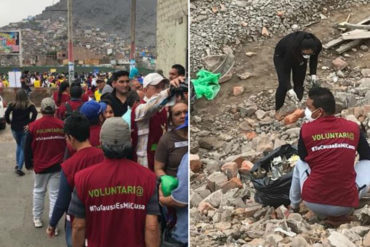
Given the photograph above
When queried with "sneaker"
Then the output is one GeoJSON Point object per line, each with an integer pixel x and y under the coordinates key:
{"type": "Point", "coordinates": [19, 172]}
{"type": "Point", "coordinates": [37, 222]}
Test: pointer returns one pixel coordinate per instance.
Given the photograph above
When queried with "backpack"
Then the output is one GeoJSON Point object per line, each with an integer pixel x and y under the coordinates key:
{"type": "Point", "coordinates": [69, 109]}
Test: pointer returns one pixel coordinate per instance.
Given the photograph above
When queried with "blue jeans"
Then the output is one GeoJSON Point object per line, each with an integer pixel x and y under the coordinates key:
{"type": "Point", "coordinates": [362, 169]}
{"type": "Point", "coordinates": [20, 138]}
{"type": "Point", "coordinates": [68, 229]}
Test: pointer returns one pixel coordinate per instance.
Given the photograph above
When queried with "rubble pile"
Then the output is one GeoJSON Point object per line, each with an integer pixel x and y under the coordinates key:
{"type": "Point", "coordinates": [224, 149]}
{"type": "Point", "coordinates": [215, 24]}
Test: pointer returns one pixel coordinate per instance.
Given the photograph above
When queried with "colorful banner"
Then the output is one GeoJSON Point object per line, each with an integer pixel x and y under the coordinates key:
{"type": "Point", "coordinates": [9, 42]}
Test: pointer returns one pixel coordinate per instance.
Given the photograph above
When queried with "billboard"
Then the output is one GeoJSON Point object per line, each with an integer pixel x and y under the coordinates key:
{"type": "Point", "coordinates": [9, 42]}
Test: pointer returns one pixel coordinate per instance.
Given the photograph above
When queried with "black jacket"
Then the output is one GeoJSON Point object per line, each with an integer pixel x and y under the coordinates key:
{"type": "Point", "coordinates": [288, 51]}
{"type": "Point", "coordinates": [20, 117]}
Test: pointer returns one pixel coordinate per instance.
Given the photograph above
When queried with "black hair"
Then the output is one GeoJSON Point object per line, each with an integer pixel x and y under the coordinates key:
{"type": "Point", "coordinates": [132, 98]}
{"type": "Point", "coordinates": [63, 87]}
{"type": "Point", "coordinates": [106, 101]}
{"type": "Point", "coordinates": [180, 69]}
{"type": "Point", "coordinates": [76, 91]}
{"type": "Point", "coordinates": [78, 126]}
{"type": "Point", "coordinates": [117, 152]}
{"type": "Point", "coordinates": [308, 42]}
{"type": "Point", "coordinates": [322, 98]}
{"type": "Point", "coordinates": [118, 74]}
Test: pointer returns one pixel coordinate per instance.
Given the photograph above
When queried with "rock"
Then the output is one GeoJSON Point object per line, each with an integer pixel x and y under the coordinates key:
{"type": "Point", "coordinates": [293, 132]}
{"type": "Point", "coordinates": [216, 180]}
{"type": "Point", "coordinates": [246, 167]}
{"type": "Point", "coordinates": [231, 184]}
{"type": "Point", "coordinates": [213, 199]}
{"type": "Point", "coordinates": [226, 213]}
{"type": "Point", "coordinates": [203, 191]}
{"type": "Point", "coordinates": [364, 48]}
{"type": "Point", "coordinates": [337, 239]}
{"type": "Point", "coordinates": [281, 212]}
{"type": "Point", "coordinates": [204, 207]}
{"type": "Point", "coordinates": [264, 143]}
{"type": "Point", "coordinates": [299, 241]}
{"type": "Point", "coordinates": [209, 143]}
{"type": "Point", "coordinates": [196, 119]}
{"type": "Point", "coordinates": [238, 90]}
{"type": "Point", "coordinates": [230, 169]}
{"type": "Point", "coordinates": [250, 54]}
{"type": "Point", "coordinates": [211, 165]}
{"type": "Point", "coordinates": [273, 239]}
{"type": "Point", "coordinates": [339, 63]}
{"type": "Point", "coordinates": [223, 226]}
{"type": "Point", "coordinates": [353, 119]}
{"type": "Point", "coordinates": [265, 32]}
{"type": "Point", "coordinates": [365, 72]}
{"type": "Point", "coordinates": [251, 210]}
{"type": "Point", "coordinates": [245, 75]}
{"type": "Point", "coordinates": [195, 163]}
{"type": "Point", "coordinates": [260, 114]}
{"type": "Point", "coordinates": [366, 241]}
{"type": "Point", "coordinates": [195, 199]}
{"type": "Point", "coordinates": [256, 242]}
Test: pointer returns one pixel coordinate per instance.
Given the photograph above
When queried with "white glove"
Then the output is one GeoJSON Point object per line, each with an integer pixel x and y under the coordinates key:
{"type": "Point", "coordinates": [313, 78]}
{"type": "Point", "coordinates": [292, 95]}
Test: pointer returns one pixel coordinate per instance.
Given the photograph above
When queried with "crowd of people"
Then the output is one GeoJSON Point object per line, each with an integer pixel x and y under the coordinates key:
{"type": "Point", "coordinates": [101, 153]}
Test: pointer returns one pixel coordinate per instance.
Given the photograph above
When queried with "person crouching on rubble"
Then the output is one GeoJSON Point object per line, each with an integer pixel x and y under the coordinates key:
{"type": "Point", "coordinates": [326, 178]}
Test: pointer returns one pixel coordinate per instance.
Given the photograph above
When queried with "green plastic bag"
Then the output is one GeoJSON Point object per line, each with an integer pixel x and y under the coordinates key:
{"type": "Point", "coordinates": [206, 84]}
{"type": "Point", "coordinates": [168, 183]}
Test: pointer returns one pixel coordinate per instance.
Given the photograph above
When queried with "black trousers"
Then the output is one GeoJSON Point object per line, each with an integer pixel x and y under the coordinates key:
{"type": "Point", "coordinates": [284, 73]}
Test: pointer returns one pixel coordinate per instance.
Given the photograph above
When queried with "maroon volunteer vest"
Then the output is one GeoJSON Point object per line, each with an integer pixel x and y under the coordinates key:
{"type": "Point", "coordinates": [155, 133]}
{"type": "Point", "coordinates": [331, 145]}
{"type": "Point", "coordinates": [115, 194]}
{"type": "Point", "coordinates": [81, 160]}
{"type": "Point", "coordinates": [48, 142]}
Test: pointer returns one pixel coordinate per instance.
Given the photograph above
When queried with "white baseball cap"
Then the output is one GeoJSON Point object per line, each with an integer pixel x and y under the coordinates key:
{"type": "Point", "coordinates": [152, 79]}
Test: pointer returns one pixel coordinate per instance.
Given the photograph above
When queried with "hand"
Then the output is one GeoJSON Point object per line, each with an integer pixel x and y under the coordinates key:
{"type": "Point", "coordinates": [293, 96]}
{"type": "Point", "coordinates": [26, 128]}
{"type": "Point", "coordinates": [176, 82]}
{"type": "Point", "coordinates": [313, 79]}
{"type": "Point", "coordinates": [50, 231]}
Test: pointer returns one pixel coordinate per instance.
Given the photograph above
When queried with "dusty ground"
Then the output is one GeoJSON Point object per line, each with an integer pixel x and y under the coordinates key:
{"type": "Point", "coordinates": [262, 68]}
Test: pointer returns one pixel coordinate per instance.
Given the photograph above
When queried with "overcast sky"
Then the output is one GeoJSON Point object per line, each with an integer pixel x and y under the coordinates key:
{"type": "Point", "coordinates": [16, 10]}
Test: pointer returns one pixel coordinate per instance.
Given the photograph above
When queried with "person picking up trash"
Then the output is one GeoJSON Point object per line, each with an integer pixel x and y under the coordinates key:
{"type": "Point", "coordinates": [290, 59]}
{"type": "Point", "coordinates": [325, 177]}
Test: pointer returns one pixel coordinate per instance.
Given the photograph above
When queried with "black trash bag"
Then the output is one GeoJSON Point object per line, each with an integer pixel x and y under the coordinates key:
{"type": "Point", "coordinates": [273, 192]}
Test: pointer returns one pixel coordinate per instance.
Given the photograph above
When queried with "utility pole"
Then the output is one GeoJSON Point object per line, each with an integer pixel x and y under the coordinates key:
{"type": "Point", "coordinates": [132, 29]}
{"type": "Point", "coordinates": [70, 43]}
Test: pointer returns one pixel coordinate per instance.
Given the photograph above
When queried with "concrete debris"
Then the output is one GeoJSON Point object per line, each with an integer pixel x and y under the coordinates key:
{"type": "Point", "coordinates": [223, 211]}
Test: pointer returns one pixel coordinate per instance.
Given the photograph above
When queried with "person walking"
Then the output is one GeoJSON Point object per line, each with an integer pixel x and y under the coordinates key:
{"type": "Point", "coordinates": [44, 151]}
{"type": "Point", "coordinates": [19, 114]}
{"type": "Point", "coordinates": [76, 129]}
{"type": "Point", "coordinates": [290, 59]}
{"type": "Point", "coordinates": [115, 202]}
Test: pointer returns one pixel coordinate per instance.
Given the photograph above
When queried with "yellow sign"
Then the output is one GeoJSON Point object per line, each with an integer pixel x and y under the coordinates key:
{"type": "Point", "coordinates": [53, 70]}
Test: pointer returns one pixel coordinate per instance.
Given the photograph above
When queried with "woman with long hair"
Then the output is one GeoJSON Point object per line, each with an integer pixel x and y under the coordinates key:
{"type": "Point", "coordinates": [19, 114]}
{"type": "Point", "coordinates": [62, 95]}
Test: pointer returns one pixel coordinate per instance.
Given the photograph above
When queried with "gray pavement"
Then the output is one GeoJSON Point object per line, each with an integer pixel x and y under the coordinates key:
{"type": "Point", "coordinates": [16, 226]}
